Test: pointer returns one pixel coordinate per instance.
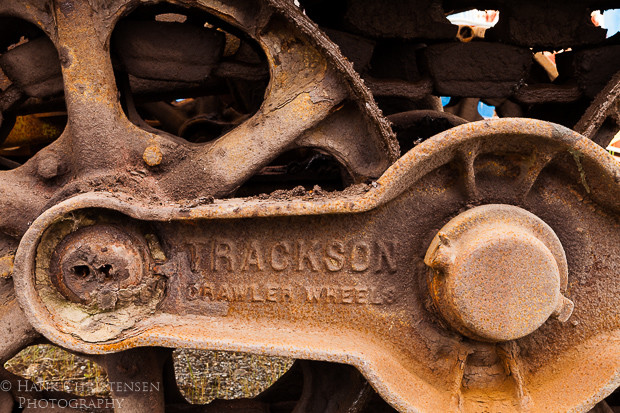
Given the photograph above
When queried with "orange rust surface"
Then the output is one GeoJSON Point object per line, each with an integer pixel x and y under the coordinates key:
{"type": "Point", "coordinates": [385, 344]}
{"type": "Point", "coordinates": [34, 129]}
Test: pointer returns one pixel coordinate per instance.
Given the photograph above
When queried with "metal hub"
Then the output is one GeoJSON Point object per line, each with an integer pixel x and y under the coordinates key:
{"type": "Point", "coordinates": [498, 272]}
{"type": "Point", "coordinates": [96, 262]}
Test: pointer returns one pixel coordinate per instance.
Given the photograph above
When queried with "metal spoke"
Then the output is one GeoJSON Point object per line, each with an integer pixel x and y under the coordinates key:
{"type": "Point", "coordinates": [15, 330]}
{"type": "Point", "coordinates": [136, 380]}
{"type": "Point", "coordinates": [97, 127]}
{"type": "Point", "coordinates": [509, 352]}
{"type": "Point", "coordinates": [460, 362]}
{"type": "Point", "coordinates": [22, 197]}
{"type": "Point", "coordinates": [468, 158]}
{"type": "Point", "coordinates": [605, 104]}
{"type": "Point", "coordinates": [529, 177]}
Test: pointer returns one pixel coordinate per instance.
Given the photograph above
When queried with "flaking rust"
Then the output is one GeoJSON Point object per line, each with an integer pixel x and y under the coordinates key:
{"type": "Point", "coordinates": [127, 128]}
{"type": "Point", "coordinates": [346, 281]}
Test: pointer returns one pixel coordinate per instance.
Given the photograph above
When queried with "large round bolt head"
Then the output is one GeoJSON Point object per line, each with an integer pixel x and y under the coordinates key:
{"type": "Point", "coordinates": [94, 263]}
{"type": "Point", "coordinates": [498, 273]}
{"type": "Point", "coordinates": [152, 155]}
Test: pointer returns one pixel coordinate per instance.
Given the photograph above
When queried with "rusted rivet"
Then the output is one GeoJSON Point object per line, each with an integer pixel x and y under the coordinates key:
{"type": "Point", "coordinates": [48, 166]}
{"type": "Point", "coordinates": [6, 265]}
{"type": "Point", "coordinates": [152, 155]}
{"type": "Point", "coordinates": [497, 273]}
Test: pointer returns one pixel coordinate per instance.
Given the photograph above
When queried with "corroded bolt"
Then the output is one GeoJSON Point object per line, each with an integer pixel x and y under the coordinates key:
{"type": "Point", "coordinates": [465, 33]}
{"type": "Point", "coordinates": [94, 264]}
{"type": "Point", "coordinates": [498, 273]}
{"type": "Point", "coordinates": [152, 155]}
{"type": "Point", "coordinates": [6, 265]}
{"type": "Point", "coordinates": [49, 166]}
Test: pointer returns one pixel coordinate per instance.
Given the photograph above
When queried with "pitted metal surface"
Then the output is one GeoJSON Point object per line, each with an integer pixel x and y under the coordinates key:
{"type": "Point", "coordinates": [498, 271]}
{"type": "Point", "coordinates": [226, 179]}
{"type": "Point", "coordinates": [294, 281]}
{"type": "Point", "coordinates": [97, 260]}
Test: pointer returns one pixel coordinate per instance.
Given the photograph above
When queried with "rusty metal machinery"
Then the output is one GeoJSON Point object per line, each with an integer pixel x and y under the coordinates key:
{"type": "Point", "coordinates": [227, 175]}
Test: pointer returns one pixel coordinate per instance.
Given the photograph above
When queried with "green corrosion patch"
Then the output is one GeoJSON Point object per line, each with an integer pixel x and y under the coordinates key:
{"type": "Point", "coordinates": [577, 155]}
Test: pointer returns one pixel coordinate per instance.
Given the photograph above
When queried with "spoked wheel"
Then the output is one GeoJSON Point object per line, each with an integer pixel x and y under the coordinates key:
{"type": "Point", "coordinates": [314, 102]}
{"type": "Point", "coordinates": [467, 273]}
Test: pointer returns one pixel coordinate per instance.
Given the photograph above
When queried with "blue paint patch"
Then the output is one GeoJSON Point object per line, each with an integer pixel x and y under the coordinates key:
{"type": "Point", "coordinates": [611, 21]}
{"type": "Point", "coordinates": [486, 111]}
{"type": "Point", "coordinates": [445, 100]}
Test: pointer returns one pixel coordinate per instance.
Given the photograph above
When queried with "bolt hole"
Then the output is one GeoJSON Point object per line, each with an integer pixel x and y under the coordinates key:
{"type": "Point", "coordinates": [105, 270]}
{"type": "Point", "coordinates": [81, 271]}
{"type": "Point", "coordinates": [466, 33]}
